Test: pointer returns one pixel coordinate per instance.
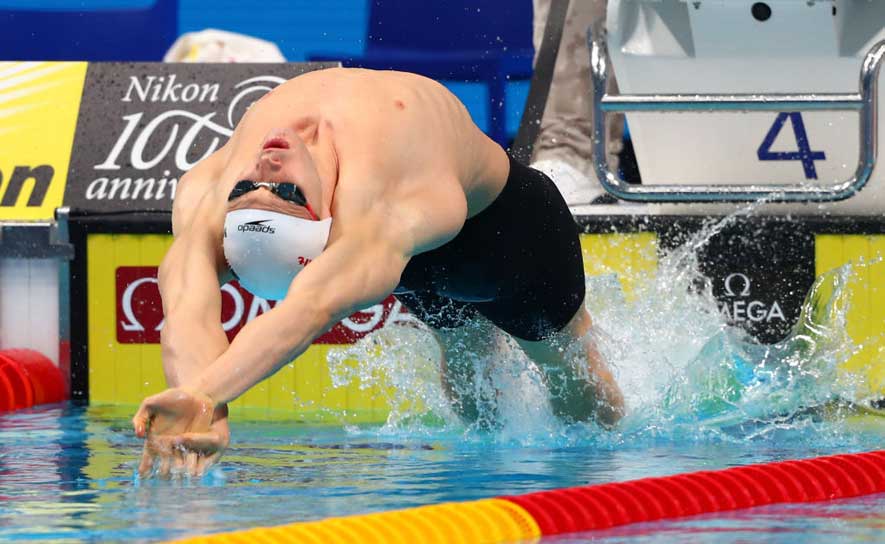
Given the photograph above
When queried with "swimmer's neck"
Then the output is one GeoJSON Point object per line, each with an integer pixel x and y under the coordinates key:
{"type": "Point", "coordinates": [318, 134]}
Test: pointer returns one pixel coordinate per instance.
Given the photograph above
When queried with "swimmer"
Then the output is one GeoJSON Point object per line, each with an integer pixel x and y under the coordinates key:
{"type": "Point", "coordinates": [336, 189]}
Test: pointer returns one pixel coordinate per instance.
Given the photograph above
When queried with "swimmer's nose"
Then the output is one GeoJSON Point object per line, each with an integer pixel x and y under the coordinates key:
{"type": "Point", "coordinates": [269, 162]}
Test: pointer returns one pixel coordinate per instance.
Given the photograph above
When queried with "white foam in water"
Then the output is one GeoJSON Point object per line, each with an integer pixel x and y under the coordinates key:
{"type": "Point", "coordinates": [685, 372]}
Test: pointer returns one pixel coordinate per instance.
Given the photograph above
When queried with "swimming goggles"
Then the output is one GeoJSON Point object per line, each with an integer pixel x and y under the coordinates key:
{"type": "Point", "coordinates": [287, 191]}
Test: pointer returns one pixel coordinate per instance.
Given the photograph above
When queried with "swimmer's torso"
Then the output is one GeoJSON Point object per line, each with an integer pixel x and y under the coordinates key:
{"type": "Point", "coordinates": [384, 123]}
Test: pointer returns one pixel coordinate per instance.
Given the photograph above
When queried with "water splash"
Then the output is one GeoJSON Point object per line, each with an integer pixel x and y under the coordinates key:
{"type": "Point", "coordinates": [686, 373]}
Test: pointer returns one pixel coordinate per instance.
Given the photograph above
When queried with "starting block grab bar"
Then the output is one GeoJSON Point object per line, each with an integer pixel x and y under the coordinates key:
{"type": "Point", "coordinates": [865, 102]}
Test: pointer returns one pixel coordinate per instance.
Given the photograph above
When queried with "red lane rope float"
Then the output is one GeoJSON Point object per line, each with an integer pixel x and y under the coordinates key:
{"type": "Point", "coordinates": [6, 393]}
{"type": "Point", "coordinates": [28, 378]}
{"type": "Point", "coordinates": [47, 379]}
{"type": "Point", "coordinates": [587, 508]}
{"type": "Point", "coordinates": [17, 384]}
{"type": "Point", "coordinates": [600, 507]}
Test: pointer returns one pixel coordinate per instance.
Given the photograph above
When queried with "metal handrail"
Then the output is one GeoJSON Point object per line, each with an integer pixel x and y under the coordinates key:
{"type": "Point", "coordinates": [865, 102]}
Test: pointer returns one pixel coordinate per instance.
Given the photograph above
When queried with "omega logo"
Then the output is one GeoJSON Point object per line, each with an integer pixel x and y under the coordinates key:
{"type": "Point", "coordinates": [139, 316]}
{"type": "Point", "coordinates": [738, 286]}
{"type": "Point", "coordinates": [744, 283]}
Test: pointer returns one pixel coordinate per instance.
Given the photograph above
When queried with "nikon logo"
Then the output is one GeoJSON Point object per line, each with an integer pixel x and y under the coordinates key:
{"type": "Point", "coordinates": [257, 226]}
{"type": "Point", "coordinates": [163, 89]}
{"type": "Point", "coordinates": [11, 188]}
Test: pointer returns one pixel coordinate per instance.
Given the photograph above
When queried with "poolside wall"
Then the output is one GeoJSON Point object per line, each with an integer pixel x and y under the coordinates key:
{"type": "Point", "coordinates": [760, 282]}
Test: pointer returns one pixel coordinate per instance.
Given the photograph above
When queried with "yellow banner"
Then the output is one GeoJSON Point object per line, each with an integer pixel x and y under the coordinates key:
{"type": "Point", "coordinates": [39, 103]}
{"type": "Point", "coordinates": [864, 372]}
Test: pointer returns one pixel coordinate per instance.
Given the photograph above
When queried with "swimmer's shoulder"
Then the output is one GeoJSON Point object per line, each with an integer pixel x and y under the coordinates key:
{"type": "Point", "coordinates": [197, 187]}
{"type": "Point", "coordinates": [206, 174]}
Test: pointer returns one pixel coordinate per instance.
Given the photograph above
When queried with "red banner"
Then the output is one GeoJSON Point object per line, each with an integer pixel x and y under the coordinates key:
{"type": "Point", "coordinates": [140, 311]}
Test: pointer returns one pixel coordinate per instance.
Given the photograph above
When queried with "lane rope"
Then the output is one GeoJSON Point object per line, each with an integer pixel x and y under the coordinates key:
{"type": "Point", "coordinates": [587, 508]}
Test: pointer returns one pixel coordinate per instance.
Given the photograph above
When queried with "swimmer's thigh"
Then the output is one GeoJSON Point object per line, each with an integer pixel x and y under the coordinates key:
{"type": "Point", "coordinates": [469, 356]}
{"type": "Point", "coordinates": [580, 382]}
{"type": "Point", "coordinates": [467, 342]}
{"type": "Point", "coordinates": [562, 358]}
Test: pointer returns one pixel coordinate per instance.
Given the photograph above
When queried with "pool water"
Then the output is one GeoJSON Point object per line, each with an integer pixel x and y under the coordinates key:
{"type": "Point", "coordinates": [699, 395]}
{"type": "Point", "coordinates": [67, 474]}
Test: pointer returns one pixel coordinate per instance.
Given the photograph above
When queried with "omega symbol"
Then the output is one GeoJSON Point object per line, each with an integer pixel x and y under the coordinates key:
{"type": "Point", "coordinates": [744, 281]}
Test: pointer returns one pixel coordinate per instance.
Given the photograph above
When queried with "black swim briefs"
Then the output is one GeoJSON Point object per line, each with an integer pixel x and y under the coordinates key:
{"type": "Point", "coordinates": [518, 263]}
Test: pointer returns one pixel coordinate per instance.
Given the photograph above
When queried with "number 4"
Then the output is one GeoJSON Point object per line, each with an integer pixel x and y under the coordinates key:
{"type": "Point", "coordinates": [804, 154]}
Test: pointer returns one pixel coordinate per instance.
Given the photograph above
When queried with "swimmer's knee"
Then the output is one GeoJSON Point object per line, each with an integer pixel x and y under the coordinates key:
{"type": "Point", "coordinates": [579, 325]}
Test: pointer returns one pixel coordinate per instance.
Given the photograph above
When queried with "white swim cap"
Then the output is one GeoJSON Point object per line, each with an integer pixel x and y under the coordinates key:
{"type": "Point", "coordinates": [266, 250]}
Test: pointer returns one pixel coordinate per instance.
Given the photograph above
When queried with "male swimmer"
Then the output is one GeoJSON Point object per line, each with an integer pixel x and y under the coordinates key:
{"type": "Point", "coordinates": [336, 189]}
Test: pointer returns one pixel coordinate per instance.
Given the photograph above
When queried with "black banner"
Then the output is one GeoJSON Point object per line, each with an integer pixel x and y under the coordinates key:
{"type": "Point", "coordinates": [141, 126]}
{"type": "Point", "coordinates": [760, 269]}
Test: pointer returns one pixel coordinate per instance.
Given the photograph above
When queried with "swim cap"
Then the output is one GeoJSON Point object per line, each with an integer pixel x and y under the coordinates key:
{"type": "Point", "coordinates": [266, 250]}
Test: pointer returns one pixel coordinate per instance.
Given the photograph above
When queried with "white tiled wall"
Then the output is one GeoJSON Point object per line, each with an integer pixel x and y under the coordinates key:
{"type": "Point", "coordinates": [29, 305]}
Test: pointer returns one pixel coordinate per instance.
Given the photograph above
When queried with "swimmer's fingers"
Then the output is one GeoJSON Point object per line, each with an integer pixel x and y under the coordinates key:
{"type": "Point", "coordinates": [149, 409]}
{"type": "Point", "coordinates": [162, 454]}
{"type": "Point", "coordinates": [191, 463]}
{"type": "Point", "coordinates": [147, 462]}
{"type": "Point", "coordinates": [203, 443]}
{"type": "Point", "coordinates": [165, 469]}
{"type": "Point", "coordinates": [142, 418]}
{"type": "Point", "coordinates": [205, 462]}
{"type": "Point", "coordinates": [204, 449]}
{"type": "Point", "coordinates": [179, 460]}
{"type": "Point", "coordinates": [155, 448]}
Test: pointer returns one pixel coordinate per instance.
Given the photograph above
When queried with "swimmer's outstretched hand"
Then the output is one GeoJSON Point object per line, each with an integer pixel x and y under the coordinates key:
{"type": "Point", "coordinates": [202, 450]}
{"type": "Point", "coordinates": [183, 431]}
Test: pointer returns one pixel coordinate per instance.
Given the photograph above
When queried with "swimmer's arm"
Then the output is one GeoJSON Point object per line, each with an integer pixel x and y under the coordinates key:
{"type": "Point", "coordinates": [377, 228]}
{"type": "Point", "coordinates": [351, 274]}
{"type": "Point", "coordinates": [190, 278]}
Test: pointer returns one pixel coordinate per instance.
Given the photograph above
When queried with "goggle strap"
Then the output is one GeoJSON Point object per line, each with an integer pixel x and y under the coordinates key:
{"type": "Point", "coordinates": [312, 213]}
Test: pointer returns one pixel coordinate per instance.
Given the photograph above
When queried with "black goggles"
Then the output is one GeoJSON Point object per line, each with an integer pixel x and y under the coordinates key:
{"type": "Point", "coordinates": [287, 191]}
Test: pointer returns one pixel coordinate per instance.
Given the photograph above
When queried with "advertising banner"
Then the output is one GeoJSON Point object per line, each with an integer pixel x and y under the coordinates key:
{"type": "Point", "coordinates": [139, 317]}
{"type": "Point", "coordinates": [759, 280]}
{"type": "Point", "coordinates": [39, 102]}
{"type": "Point", "coordinates": [143, 125]}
